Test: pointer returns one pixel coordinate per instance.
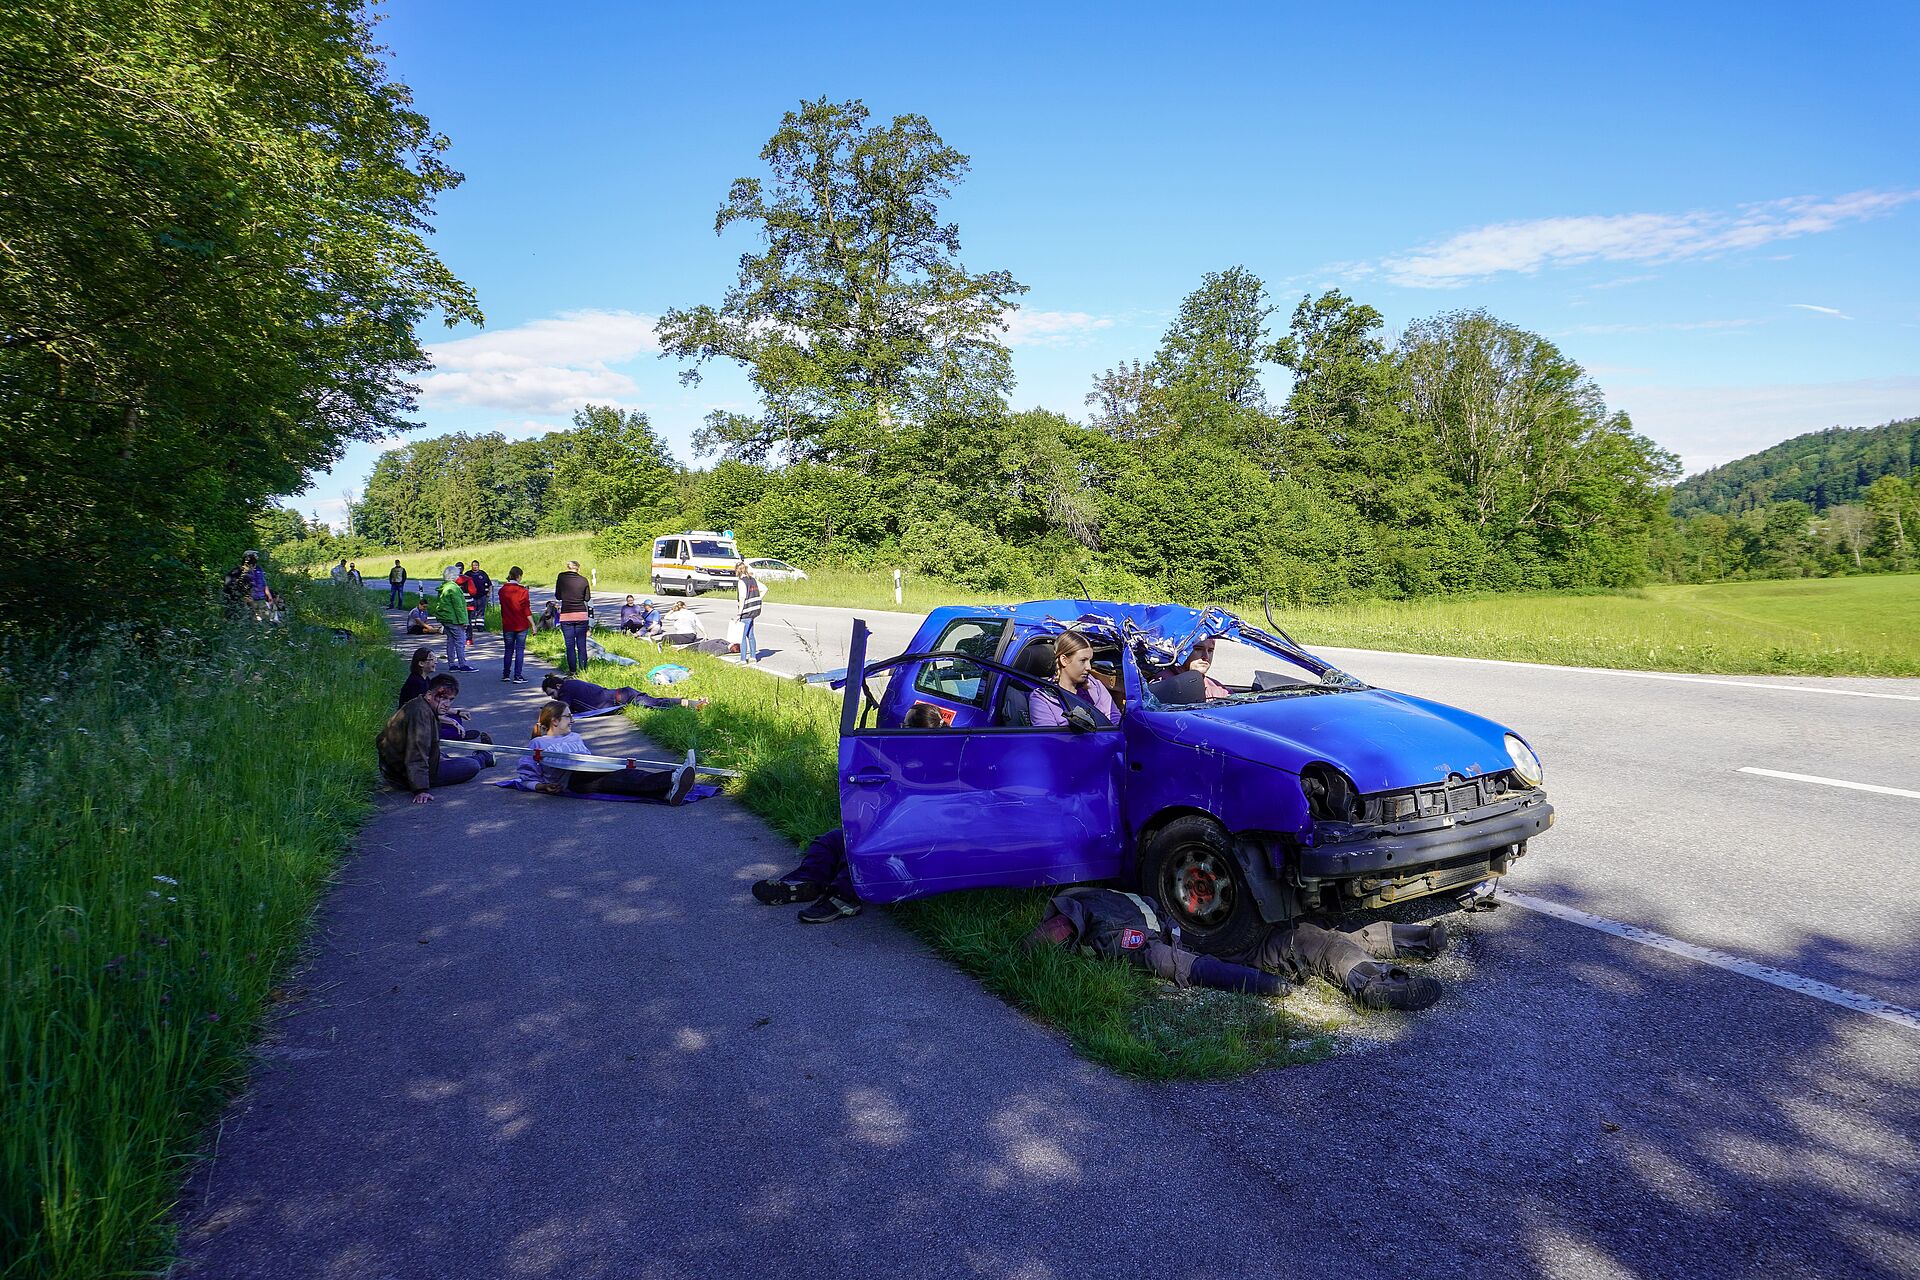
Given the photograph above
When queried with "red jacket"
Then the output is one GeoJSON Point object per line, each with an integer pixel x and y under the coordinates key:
{"type": "Point", "coordinates": [516, 610]}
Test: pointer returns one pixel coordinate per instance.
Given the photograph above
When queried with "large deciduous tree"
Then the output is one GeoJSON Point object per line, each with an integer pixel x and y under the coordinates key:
{"type": "Point", "coordinates": [856, 314]}
{"type": "Point", "coordinates": [212, 260]}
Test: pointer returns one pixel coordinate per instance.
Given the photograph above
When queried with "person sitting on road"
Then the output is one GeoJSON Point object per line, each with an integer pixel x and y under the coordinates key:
{"type": "Point", "coordinates": [409, 744]}
{"type": "Point", "coordinates": [682, 625]}
{"type": "Point", "coordinates": [1128, 927]}
{"type": "Point", "coordinates": [420, 620]}
{"type": "Point", "coordinates": [584, 695]}
{"type": "Point", "coordinates": [1072, 671]}
{"type": "Point", "coordinates": [553, 732]}
{"type": "Point", "coordinates": [822, 879]}
{"type": "Point", "coordinates": [453, 726]}
{"type": "Point", "coordinates": [549, 619]}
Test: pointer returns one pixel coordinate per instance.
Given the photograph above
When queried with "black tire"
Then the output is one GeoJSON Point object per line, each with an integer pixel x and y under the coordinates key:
{"type": "Point", "coordinates": [1189, 867]}
{"type": "Point", "coordinates": [658, 588]}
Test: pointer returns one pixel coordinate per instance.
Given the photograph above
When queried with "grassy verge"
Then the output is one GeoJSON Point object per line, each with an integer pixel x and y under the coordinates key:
{"type": "Point", "coordinates": [784, 737]}
{"type": "Point", "coordinates": [170, 815]}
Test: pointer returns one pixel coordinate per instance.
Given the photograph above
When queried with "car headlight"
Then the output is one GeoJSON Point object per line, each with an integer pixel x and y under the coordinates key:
{"type": "Point", "coordinates": [1526, 765]}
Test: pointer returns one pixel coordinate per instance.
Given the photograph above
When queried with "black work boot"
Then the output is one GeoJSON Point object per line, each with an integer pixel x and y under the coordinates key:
{"type": "Point", "coordinates": [1384, 941]}
{"type": "Point", "coordinates": [1380, 986]}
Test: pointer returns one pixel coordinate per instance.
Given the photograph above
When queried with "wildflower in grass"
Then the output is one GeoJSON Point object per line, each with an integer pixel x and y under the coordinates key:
{"type": "Point", "coordinates": [166, 880]}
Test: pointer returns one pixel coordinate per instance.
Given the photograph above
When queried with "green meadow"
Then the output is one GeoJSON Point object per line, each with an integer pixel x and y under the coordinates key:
{"type": "Point", "coordinates": [1867, 625]}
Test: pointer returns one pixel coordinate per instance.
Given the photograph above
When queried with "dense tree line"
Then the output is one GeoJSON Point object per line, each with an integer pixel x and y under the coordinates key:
{"type": "Point", "coordinates": [1465, 454]}
{"type": "Point", "coordinates": [212, 214]}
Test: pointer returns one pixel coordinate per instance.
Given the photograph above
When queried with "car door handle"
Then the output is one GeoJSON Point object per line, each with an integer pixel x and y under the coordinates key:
{"type": "Point", "coordinates": [868, 777]}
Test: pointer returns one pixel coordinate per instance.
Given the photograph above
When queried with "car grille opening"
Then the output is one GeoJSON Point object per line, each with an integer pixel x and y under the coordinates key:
{"type": "Point", "coordinates": [1433, 800]}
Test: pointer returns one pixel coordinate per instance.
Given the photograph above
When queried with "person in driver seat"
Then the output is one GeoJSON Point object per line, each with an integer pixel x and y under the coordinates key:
{"type": "Point", "coordinates": [1192, 680]}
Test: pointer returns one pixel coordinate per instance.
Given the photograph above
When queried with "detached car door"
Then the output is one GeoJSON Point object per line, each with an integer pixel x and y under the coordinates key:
{"type": "Point", "coordinates": [932, 810]}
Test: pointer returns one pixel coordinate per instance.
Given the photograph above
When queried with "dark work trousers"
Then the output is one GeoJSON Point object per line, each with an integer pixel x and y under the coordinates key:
{"type": "Point", "coordinates": [575, 635]}
{"type": "Point", "coordinates": [650, 784]}
{"type": "Point", "coordinates": [825, 863]}
{"type": "Point", "coordinates": [513, 658]}
{"type": "Point", "coordinates": [1298, 951]}
{"type": "Point", "coordinates": [451, 770]}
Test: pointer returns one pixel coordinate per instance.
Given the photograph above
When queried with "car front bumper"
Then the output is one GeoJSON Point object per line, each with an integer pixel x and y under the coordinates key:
{"type": "Point", "coordinates": [1343, 851]}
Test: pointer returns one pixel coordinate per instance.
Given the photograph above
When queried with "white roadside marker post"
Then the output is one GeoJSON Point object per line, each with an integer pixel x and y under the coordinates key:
{"type": "Point", "coordinates": [896, 586]}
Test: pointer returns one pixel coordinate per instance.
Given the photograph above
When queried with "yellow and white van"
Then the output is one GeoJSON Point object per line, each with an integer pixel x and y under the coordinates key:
{"type": "Point", "coordinates": [693, 562]}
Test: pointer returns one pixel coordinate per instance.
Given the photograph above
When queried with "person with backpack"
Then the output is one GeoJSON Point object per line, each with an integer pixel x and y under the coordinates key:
{"type": "Point", "coordinates": [396, 586]}
{"type": "Point", "coordinates": [481, 591]}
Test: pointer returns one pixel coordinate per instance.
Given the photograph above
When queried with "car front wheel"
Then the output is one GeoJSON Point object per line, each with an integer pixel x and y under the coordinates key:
{"type": "Point", "coordinates": [1189, 867]}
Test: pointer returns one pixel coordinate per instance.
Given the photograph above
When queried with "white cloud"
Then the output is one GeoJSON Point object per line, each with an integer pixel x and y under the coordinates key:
{"type": "Point", "coordinates": [1825, 311]}
{"type": "Point", "coordinates": [1707, 426]}
{"type": "Point", "coordinates": [552, 365]}
{"type": "Point", "coordinates": [1052, 328]}
{"type": "Point", "coordinates": [1527, 247]}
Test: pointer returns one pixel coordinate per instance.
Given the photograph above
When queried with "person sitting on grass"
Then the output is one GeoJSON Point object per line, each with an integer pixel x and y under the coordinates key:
{"type": "Point", "coordinates": [409, 744]}
{"type": "Point", "coordinates": [1131, 928]}
{"type": "Point", "coordinates": [584, 695]}
{"type": "Point", "coordinates": [823, 880]}
{"type": "Point", "coordinates": [549, 619]}
{"type": "Point", "coordinates": [420, 619]}
{"type": "Point", "coordinates": [1072, 671]}
{"type": "Point", "coordinates": [639, 619]}
{"type": "Point", "coordinates": [553, 732]}
{"type": "Point", "coordinates": [682, 625]}
{"type": "Point", "coordinates": [453, 725]}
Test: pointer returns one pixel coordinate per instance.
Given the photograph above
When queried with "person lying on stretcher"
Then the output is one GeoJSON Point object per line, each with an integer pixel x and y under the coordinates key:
{"type": "Point", "coordinates": [553, 733]}
{"type": "Point", "coordinates": [584, 695]}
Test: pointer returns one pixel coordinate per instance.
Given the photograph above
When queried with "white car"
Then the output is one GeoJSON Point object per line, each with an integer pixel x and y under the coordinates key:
{"type": "Point", "coordinates": [776, 571]}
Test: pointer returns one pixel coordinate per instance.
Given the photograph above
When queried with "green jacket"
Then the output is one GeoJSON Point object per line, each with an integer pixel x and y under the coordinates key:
{"type": "Point", "coordinates": [450, 606]}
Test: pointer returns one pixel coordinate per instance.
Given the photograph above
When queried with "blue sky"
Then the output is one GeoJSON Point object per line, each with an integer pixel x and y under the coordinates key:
{"type": "Point", "coordinates": [1716, 211]}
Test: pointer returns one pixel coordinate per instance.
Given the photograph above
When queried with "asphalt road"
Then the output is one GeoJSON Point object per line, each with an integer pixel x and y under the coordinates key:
{"type": "Point", "coordinates": [546, 1037]}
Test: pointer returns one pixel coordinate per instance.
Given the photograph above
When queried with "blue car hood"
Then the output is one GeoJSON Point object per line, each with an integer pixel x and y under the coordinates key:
{"type": "Point", "coordinates": [1382, 740]}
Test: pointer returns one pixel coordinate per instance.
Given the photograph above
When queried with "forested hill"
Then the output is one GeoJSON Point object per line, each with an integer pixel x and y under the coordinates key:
{"type": "Point", "coordinates": [1822, 469]}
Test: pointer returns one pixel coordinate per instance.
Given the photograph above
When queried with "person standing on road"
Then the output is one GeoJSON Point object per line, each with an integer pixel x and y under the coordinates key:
{"type": "Point", "coordinates": [451, 608]}
{"type": "Point", "coordinates": [339, 572]}
{"type": "Point", "coordinates": [752, 594]}
{"type": "Point", "coordinates": [516, 619]}
{"type": "Point", "coordinates": [397, 586]}
{"type": "Point", "coordinates": [353, 574]}
{"type": "Point", "coordinates": [575, 594]}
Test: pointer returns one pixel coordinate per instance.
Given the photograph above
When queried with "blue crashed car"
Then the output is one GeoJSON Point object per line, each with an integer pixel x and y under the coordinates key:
{"type": "Point", "coordinates": [1293, 789]}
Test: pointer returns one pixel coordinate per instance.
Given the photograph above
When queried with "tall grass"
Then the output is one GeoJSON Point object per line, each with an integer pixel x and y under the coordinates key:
{"type": "Point", "coordinates": [170, 812]}
{"type": "Point", "coordinates": [785, 737]}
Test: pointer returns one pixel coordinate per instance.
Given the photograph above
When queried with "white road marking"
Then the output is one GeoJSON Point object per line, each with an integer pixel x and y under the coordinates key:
{"type": "Point", "coordinates": [1833, 782]}
{"type": "Point", "coordinates": [1870, 1005]}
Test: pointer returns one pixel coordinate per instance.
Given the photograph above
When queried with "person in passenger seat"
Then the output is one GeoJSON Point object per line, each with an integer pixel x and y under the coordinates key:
{"type": "Point", "coordinates": [1072, 671]}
